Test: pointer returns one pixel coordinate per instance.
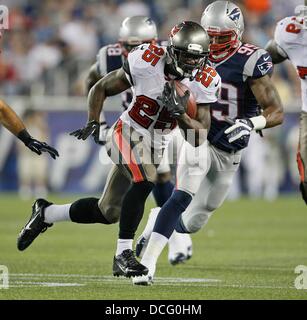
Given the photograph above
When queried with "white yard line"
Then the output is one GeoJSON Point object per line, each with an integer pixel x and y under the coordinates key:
{"type": "Point", "coordinates": [35, 279]}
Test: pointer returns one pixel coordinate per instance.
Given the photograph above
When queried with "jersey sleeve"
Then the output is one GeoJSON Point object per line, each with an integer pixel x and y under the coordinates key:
{"type": "Point", "coordinates": [126, 67]}
{"type": "Point", "coordinates": [279, 37]}
{"type": "Point", "coordinates": [139, 67]}
{"type": "Point", "coordinates": [258, 65]}
{"type": "Point", "coordinates": [101, 61]}
{"type": "Point", "coordinates": [205, 92]}
{"type": "Point", "coordinates": [210, 94]}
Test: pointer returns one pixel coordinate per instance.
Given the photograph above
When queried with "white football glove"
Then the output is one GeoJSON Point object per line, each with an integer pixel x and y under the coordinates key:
{"type": "Point", "coordinates": [242, 128]}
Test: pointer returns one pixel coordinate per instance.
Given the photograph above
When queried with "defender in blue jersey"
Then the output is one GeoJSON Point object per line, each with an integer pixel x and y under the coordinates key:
{"type": "Point", "coordinates": [248, 102]}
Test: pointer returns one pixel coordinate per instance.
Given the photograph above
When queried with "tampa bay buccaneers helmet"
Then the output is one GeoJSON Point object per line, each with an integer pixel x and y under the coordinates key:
{"type": "Point", "coordinates": [188, 49]}
{"type": "Point", "coordinates": [136, 30]}
{"type": "Point", "coordinates": [223, 20]}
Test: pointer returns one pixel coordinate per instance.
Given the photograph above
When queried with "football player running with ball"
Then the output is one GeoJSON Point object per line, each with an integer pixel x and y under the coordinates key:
{"type": "Point", "coordinates": [245, 72]}
{"type": "Point", "coordinates": [134, 31]}
{"type": "Point", "coordinates": [140, 136]}
{"type": "Point", "coordinates": [136, 142]}
{"type": "Point", "coordinates": [290, 42]}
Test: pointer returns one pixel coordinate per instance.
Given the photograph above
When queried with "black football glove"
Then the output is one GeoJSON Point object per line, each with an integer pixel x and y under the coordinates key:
{"type": "Point", "coordinates": [36, 146]}
{"type": "Point", "coordinates": [92, 128]}
{"type": "Point", "coordinates": [174, 104]}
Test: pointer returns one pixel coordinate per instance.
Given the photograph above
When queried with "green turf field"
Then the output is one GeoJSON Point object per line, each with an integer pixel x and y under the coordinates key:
{"type": "Point", "coordinates": [249, 250]}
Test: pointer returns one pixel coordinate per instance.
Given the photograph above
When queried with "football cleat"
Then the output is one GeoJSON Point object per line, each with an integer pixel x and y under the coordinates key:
{"type": "Point", "coordinates": [125, 264]}
{"type": "Point", "coordinates": [140, 247]}
{"type": "Point", "coordinates": [180, 258]}
{"type": "Point", "coordinates": [146, 280]}
{"type": "Point", "coordinates": [180, 248]}
{"type": "Point", "coordinates": [34, 226]}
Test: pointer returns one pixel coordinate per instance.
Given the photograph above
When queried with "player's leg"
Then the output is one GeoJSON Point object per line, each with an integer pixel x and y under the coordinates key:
{"type": "Point", "coordinates": [85, 210]}
{"type": "Point", "coordinates": [192, 167]}
{"type": "Point", "coordinates": [162, 192]}
{"type": "Point", "coordinates": [135, 156]}
{"type": "Point", "coordinates": [302, 155]}
{"type": "Point", "coordinates": [105, 210]}
{"type": "Point", "coordinates": [170, 157]}
{"type": "Point", "coordinates": [212, 192]}
{"type": "Point", "coordinates": [164, 187]}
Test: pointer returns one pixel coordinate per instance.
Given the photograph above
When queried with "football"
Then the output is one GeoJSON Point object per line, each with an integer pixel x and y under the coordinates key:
{"type": "Point", "coordinates": [191, 106]}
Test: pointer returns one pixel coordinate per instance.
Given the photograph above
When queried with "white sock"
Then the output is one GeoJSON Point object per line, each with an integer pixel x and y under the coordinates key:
{"type": "Point", "coordinates": [154, 248]}
{"type": "Point", "coordinates": [122, 245]}
{"type": "Point", "coordinates": [151, 222]}
{"type": "Point", "coordinates": [56, 213]}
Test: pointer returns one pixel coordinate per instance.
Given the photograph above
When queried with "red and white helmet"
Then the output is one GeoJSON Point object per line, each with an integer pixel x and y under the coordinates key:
{"type": "Point", "coordinates": [223, 21]}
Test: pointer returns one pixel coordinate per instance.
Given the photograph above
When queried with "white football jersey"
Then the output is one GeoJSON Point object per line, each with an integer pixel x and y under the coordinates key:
{"type": "Point", "coordinates": [291, 39]}
{"type": "Point", "coordinates": [146, 74]}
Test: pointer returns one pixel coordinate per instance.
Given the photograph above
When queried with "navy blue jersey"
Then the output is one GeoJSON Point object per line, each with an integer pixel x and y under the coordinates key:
{"type": "Point", "coordinates": [110, 58]}
{"type": "Point", "coordinates": [236, 99]}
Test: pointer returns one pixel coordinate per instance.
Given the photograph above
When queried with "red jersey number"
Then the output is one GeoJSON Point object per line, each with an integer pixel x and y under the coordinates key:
{"type": "Point", "coordinates": [143, 108]}
{"type": "Point", "coordinates": [206, 77]}
{"type": "Point", "coordinates": [153, 54]}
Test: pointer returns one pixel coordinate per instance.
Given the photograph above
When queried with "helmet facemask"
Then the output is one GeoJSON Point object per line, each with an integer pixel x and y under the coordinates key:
{"type": "Point", "coordinates": [222, 43]}
{"type": "Point", "coordinates": [186, 61]}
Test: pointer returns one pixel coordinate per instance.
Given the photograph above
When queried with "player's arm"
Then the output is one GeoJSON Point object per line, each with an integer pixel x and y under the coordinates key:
{"type": "Point", "coordinates": [113, 83]}
{"type": "Point", "coordinates": [10, 120]}
{"type": "Point", "coordinates": [200, 125]}
{"type": "Point", "coordinates": [269, 100]}
{"type": "Point", "coordinates": [276, 52]}
{"type": "Point", "coordinates": [92, 77]}
{"type": "Point", "coordinates": [176, 105]}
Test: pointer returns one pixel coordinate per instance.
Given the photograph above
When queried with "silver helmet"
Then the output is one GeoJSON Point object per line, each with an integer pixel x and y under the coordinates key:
{"type": "Point", "coordinates": [223, 20]}
{"type": "Point", "coordinates": [188, 49]}
{"type": "Point", "coordinates": [301, 12]}
{"type": "Point", "coordinates": [136, 30]}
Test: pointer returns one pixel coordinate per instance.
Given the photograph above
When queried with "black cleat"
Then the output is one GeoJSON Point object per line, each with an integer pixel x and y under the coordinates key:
{"type": "Point", "coordinates": [125, 264]}
{"type": "Point", "coordinates": [34, 226]}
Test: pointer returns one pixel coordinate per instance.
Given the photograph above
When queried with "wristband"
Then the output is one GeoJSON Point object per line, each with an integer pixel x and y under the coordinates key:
{"type": "Point", "coordinates": [259, 122]}
{"type": "Point", "coordinates": [24, 136]}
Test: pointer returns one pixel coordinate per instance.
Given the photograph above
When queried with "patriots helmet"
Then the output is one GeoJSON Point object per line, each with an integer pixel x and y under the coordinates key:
{"type": "Point", "coordinates": [136, 30]}
{"type": "Point", "coordinates": [223, 20]}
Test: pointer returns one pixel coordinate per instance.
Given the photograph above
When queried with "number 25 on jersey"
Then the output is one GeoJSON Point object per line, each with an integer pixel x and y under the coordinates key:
{"type": "Point", "coordinates": [153, 54]}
